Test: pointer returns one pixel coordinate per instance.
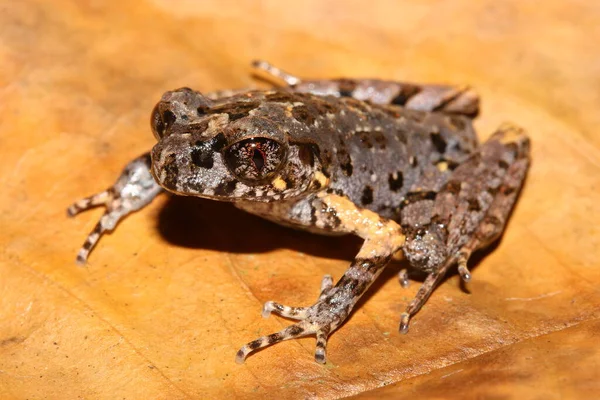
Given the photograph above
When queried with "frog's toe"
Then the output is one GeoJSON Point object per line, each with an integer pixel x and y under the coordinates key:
{"type": "Point", "coordinates": [326, 285]}
{"type": "Point", "coordinates": [403, 278]}
{"type": "Point", "coordinates": [321, 350]}
{"type": "Point", "coordinates": [404, 322]}
{"type": "Point", "coordinates": [86, 203]}
{"type": "Point", "coordinates": [297, 313]}
{"type": "Point", "coordinates": [297, 330]}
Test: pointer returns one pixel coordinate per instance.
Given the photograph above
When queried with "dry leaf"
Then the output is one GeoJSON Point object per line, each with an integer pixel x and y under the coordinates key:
{"type": "Point", "coordinates": [166, 301]}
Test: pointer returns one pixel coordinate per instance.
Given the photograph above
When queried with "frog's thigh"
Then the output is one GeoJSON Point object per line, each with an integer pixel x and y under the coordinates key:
{"type": "Point", "coordinates": [382, 239]}
{"type": "Point", "coordinates": [414, 96]}
{"type": "Point", "coordinates": [509, 163]}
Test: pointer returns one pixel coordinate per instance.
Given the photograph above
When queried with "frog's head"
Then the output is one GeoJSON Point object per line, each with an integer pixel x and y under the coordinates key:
{"type": "Point", "coordinates": [228, 150]}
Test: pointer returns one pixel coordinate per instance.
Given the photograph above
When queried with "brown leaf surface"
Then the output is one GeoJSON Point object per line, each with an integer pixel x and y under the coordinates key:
{"type": "Point", "coordinates": [167, 299]}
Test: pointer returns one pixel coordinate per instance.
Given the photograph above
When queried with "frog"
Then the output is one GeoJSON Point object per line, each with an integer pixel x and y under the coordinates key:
{"type": "Point", "coordinates": [397, 164]}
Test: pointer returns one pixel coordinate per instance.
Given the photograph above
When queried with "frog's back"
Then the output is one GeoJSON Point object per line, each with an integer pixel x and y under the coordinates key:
{"type": "Point", "coordinates": [380, 157]}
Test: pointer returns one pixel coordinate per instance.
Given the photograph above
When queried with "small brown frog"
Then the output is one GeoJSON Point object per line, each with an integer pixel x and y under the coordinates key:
{"type": "Point", "coordinates": [396, 164]}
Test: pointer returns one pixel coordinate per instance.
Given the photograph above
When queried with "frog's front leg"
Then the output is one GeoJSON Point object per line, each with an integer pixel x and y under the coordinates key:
{"type": "Point", "coordinates": [382, 238]}
{"type": "Point", "coordinates": [469, 213]}
{"type": "Point", "coordinates": [134, 189]}
{"type": "Point", "coordinates": [414, 96]}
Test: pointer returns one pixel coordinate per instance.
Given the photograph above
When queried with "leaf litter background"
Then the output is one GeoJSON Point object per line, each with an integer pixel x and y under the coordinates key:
{"type": "Point", "coordinates": [167, 299]}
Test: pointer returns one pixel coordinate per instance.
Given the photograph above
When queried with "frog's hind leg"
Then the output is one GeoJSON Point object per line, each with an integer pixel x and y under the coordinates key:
{"type": "Point", "coordinates": [382, 238]}
{"type": "Point", "coordinates": [415, 96]}
{"type": "Point", "coordinates": [482, 192]}
{"type": "Point", "coordinates": [134, 189]}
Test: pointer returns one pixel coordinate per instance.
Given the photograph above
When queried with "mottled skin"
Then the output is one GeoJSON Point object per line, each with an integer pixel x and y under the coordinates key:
{"type": "Point", "coordinates": [396, 164]}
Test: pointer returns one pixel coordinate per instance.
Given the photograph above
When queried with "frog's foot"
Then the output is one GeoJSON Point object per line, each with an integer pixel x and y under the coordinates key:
{"type": "Point", "coordinates": [134, 189]}
{"type": "Point", "coordinates": [320, 320]}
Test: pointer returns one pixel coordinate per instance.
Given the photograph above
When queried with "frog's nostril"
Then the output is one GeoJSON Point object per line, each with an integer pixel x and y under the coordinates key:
{"type": "Point", "coordinates": [168, 118]}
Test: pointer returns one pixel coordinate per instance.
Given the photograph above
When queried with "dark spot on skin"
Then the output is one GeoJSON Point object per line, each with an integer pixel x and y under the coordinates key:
{"type": "Point", "coordinates": [289, 181]}
{"type": "Point", "coordinates": [198, 127]}
{"type": "Point", "coordinates": [255, 344]}
{"type": "Point", "coordinates": [344, 159]}
{"type": "Point", "coordinates": [87, 245]}
{"type": "Point", "coordinates": [347, 168]}
{"type": "Point", "coordinates": [280, 97]}
{"type": "Point", "coordinates": [171, 171]}
{"type": "Point", "coordinates": [453, 187]}
{"type": "Point", "coordinates": [201, 156]}
{"type": "Point", "coordinates": [414, 162]}
{"type": "Point", "coordinates": [313, 215]}
{"type": "Point", "coordinates": [397, 182]}
{"type": "Point", "coordinates": [218, 142]}
{"type": "Point", "coordinates": [380, 139]}
{"type": "Point", "coordinates": [358, 106]}
{"type": "Point", "coordinates": [346, 87]}
{"type": "Point", "coordinates": [349, 284]}
{"type": "Point", "coordinates": [365, 139]}
{"type": "Point", "coordinates": [242, 110]}
{"type": "Point", "coordinates": [334, 220]}
{"type": "Point", "coordinates": [316, 185]}
{"type": "Point", "coordinates": [295, 330]}
{"type": "Point", "coordinates": [327, 157]}
{"type": "Point", "coordinates": [235, 110]}
{"type": "Point", "coordinates": [438, 142]}
{"type": "Point", "coordinates": [508, 190]}
{"type": "Point", "coordinates": [412, 197]}
{"type": "Point", "coordinates": [158, 126]}
{"type": "Point", "coordinates": [225, 188]}
{"type": "Point", "coordinates": [473, 205]}
{"type": "Point", "coordinates": [367, 195]}
{"type": "Point", "coordinates": [323, 107]}
{"type": "Point", "coordinates": [457, 122]}
{"type": "Point", "coordinates": [306, 155]}
{"type": "Point", "coordinates": [503, 164]}
{"type": "Point", "coordinates": [169, 117]}
{"type": "Point", "coordinates": [406, 92]}
{"type": "Point", "coordinates": [274, 338]}
{"type": "Point", "coordinates": [492, 191]}
{"type": "Point", "coordinates": [303, 115]}
{"type": "Point", "coordinates": [338, 192]}
{"type": "Point", "coordinates": [202, 110]}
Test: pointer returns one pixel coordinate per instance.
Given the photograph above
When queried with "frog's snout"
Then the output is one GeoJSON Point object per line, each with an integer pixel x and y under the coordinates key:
{"type": "Point", "coordinates": [168, 160]}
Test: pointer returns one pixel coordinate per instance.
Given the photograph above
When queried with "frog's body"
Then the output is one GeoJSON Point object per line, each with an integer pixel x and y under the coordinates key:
{"type": "Point", "coordinates": [313, 156]}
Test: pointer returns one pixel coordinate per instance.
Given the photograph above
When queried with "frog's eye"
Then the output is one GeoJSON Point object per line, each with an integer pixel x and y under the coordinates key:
{"type": "Point", "coordinates": [160, 123]}
{"type": "Point", "coordinates": [255, 159]}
